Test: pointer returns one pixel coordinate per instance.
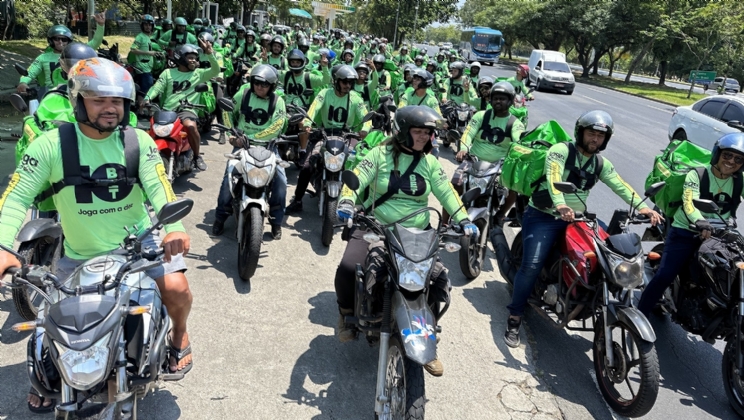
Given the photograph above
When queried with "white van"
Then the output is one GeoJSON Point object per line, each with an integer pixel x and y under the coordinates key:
{"type": "Point", "coordinates": [549, 70]}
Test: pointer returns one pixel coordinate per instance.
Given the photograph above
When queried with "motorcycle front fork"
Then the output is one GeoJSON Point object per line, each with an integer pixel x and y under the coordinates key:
{"type": "Point", "coordinates": [739, 355]}
{"type": "Point", "coordinates": [609, 348]}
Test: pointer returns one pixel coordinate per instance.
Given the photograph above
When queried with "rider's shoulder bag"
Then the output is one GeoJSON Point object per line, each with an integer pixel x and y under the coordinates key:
{"type": "Point", "coordinates": [72, 173]}
{"type": "Point", "coordinates": [245, 104]}
{"type": "Point", "coordinates": [395, 183]}
{"type": "Point", "coordinates": [488, 131]}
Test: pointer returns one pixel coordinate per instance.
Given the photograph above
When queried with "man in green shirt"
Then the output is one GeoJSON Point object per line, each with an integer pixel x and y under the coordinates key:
{"type": "Point", "coordinates": [249, 49]}
{"type": "Point", "coordinates": [299, 83]}
{"type": "Point", "coordinates": [366, 83]}
{"type": "Point", "coordinates": [262, 116]}
{"type": "Point", "coordinates": [384, 78]}
{"type": "Point", "coordinates": [179, 83]}
{"type": "Point", "coordinates": [420, 94]}
{"type": "Point", "coordinates": [174, 38]}
{"type": "Point", "coordinates": [407, 82]}
{"type": "Point", "coordinates": [518, 82]}
{"type": "Point", "coordinates": [403, 58]}
{"type": "Point", "coordinates": [276, 59]}
{"type": "Point", "coordinates": [578, 163]}
{"type": "Point", "coordinates": [336, 110]}
{"type": "Point", "coordinates": [45, 67]}
{"type": "Point", "coordinates": [144, 53]}
{"type": "Point", "coordinates": [93, 217]}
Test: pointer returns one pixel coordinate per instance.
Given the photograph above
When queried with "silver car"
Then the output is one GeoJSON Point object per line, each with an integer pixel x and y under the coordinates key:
{"type": "Point", "coordinates": [707, 120]}
{"type": "Point", "coordinates": [731, 86]}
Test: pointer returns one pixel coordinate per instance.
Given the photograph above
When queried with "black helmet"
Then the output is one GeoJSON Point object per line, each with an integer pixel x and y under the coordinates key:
{"type": "Point", "coordinates": [147, 19]}
{"type": "Point", "coordinates": [180, 54]}
{"type": "Point", "coordinates": [427, 77]}
{"type": "Point", "coordinates": [264, 73]}
{"type": "Point", "coordinates": [73, 53]}
{"type": "Point", "coordinates": [459, 66]}
{"type": "Point", "coordinates": [362, 66]}
{"type": "Point", "coordinates": [378, 59]}
{"type": "Point", "coordinates": [596, 120]}
{"type": "Point", "coordinates": [432, 63]}
{"type": "Point", "coordinates": [504, 88]}
{"type": "Point", "coordinates": [485, 81]}
{"type": "Point", "coordinates": [408, 68]}
{"type": "Point", "coordinates": [344, 72]}
{"type": "Point", "coordinates": [58, 31]}
{"type": "Point", "coordinates": [296, 54]}
{"type": "Point", "coordinates": [239, 28]}
{"type": "Point", "coordinates": [277, 40]}
{"type": "Point", "coordinates": [349, 41]}
{"type": "Point", "coordinates": [168, 23]}
{"type": "Point", "coordinates": [733, 142]}
{"type": "Point", "coordinates": [303, 42]}
{"type": "Point", "coordinates": [198, 21]}
{"type": "Point", "coordinates": [414, 117]}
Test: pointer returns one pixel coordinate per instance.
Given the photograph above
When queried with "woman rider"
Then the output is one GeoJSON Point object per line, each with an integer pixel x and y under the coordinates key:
{"type": "Point", "coordinates": [413, 131]}
{"type": "Point", "coordinates": [682, 242]}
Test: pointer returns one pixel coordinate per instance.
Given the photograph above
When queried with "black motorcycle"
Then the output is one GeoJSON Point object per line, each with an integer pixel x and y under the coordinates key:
{"type": "Point", "coordinates": [458, 117]}
{"type": "Point", "coordinates": [102, 330]}
{"type": "Point", "coordinates": [707, 299]}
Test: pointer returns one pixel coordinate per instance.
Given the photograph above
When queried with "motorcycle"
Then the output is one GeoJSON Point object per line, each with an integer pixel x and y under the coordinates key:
{"type": "Point", "coordinates": [102, 329]}
{"type": "Point", "coordinates": [591, 275]}
{"type": "Point", "coordinates": [708, 298]}
{"type": "Point", "coordinates": [519, 109]}
{"type": "Point", "coordinates": [458, 117]}
{"type": "Point", "coordinates": [397, 314]}
{"type": "Point", "coordinates": [251, 170]}
{"type": "Point", "coordinates": [239, 77]}
{"type": "Point", "coordinates": [169, 134]}
{"type": "Point", "coordinates": [111, 53]}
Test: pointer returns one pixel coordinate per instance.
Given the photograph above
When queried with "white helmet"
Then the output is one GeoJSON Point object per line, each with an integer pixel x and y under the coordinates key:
{"type": "Point", "coordinates": [475, 64]}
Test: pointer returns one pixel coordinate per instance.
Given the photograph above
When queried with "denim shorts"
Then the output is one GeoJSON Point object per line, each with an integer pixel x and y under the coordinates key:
{"type": "Point", "coordinates": [65, 266]}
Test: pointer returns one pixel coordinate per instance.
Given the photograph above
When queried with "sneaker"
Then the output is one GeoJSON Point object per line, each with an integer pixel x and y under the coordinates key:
{"type": "Point", "coordinates": [218, 227]}
{"type": "Point", "coordinates": [511, 336]}
{"type": "Point", "coordinates": [223, 138]}
{"type": "Point", "coordinates": [200, 164]}
{"type": "Point", "coordinates": [276, 232]}
{"type": "Point", "coordinates": [435, 368]}
{"type": "Point", "coordinates": [345, 332]}
{"type": "Point", "coordinates": [294, 207]}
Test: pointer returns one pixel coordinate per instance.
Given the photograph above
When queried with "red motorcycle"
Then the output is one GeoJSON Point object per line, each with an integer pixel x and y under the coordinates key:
{"type": "Point", "coordinates": [591, 276]}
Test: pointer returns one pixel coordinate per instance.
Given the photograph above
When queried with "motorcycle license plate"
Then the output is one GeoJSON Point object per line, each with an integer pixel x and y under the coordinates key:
{"type": "Point", "coordinates": [559, 85]}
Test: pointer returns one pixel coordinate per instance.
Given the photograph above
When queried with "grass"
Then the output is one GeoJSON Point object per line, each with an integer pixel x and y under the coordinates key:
{"type": "Point", "coordinates": [33, 47]}
{"type": "Point", "coordinates": [646, 90]}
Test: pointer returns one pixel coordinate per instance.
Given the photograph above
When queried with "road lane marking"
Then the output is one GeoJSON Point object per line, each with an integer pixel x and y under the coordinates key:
{"type": "Point", "coordinates": [597, 101]}
{"type": "Point", "coordinates": [656, 107]}
{"type": "Point", "coordinates": [596, 90]}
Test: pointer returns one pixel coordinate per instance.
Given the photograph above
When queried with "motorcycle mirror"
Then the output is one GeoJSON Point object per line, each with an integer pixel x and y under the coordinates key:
{"type": "Point", "coordinates": [174, 211]}
{"type": "Point", "coordinates": [442, 90]}
{"type": "Point", "coordinates": [368, 117]}
{"type": "Point", "coordinates": [706, 206]}
{"type": "Point", "coordinates": [350, 180]}
{"type": "Point", "coordinates": [453, 135]}
{"type": "Point", "coordinates": [18, 103]}
{"type": "Point", "coordinates": [104, 42]}
{"type": "Point", "coordinates": [296, 119]}
{"type": "Point", "coordinates": [736, 124]}
{"type": "Point", "coordinates": [471, 195]}
{"type": "Point", "coordinates": [225, 104]}
{"type": "Point", "coordinates": [392, 108]}
{"type": "Point", "coordinates": [201, 88]}
{"type": "Point", "coordinates": [565, 187]}
{"type": "Point", "coordinates": [20, 69]}
{"type": "Point", "coordinates": [223, 69]}
{"type": "Point", "coordinates": [655, 188]}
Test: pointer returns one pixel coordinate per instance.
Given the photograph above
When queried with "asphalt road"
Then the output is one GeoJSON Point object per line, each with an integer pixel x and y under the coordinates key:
{"type": "Point", "coordinates": [266, 349]}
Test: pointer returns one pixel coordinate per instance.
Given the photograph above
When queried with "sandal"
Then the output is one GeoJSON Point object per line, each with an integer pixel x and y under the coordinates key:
{"type": "Point", "coordinates": [41, 409]}
{"type": "Point", "coordinates": [179, 354]}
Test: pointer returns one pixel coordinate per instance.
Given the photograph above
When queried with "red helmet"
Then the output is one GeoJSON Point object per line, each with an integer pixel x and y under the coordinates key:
{"type": "Point", "coordinates": [523, 70]}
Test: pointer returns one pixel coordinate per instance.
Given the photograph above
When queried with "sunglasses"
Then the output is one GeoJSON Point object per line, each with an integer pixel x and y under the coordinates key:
{"type": "Point", "coordinates": [345, 82]}
{"type": "Point", "coordinates": [60, 39]}
{"type": "Point", "coordinates": [731, 156]}
{"type": "Point", "coordinates": [262, 84]}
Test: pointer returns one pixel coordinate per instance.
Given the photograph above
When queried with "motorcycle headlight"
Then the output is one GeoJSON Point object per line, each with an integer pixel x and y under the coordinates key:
{"type": "Point", "coordinates": [481, 183]}
{"type": "Point", "coordinates": [412, 276]}
{"type": "Point", "coordinates": [334, 163]}
{"type": "Point", "coordinates": [626, 274]}
{"type": "Point", "coordinates": [84, 369]}
{"type": "Point", "coordinates": [463, 115]}
{"type": "Point", "coordinates": [257, 177]}
{"type": "Point", "coordinates": [162, 130]}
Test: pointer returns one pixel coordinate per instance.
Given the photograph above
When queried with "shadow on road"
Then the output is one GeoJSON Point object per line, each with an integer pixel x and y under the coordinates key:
{"type": "Point", "coordinates": [8, 336]}
{"type": "Point", "coordinates": [307, 226]}
{"type": "Point", "coordinates": [342, 376]}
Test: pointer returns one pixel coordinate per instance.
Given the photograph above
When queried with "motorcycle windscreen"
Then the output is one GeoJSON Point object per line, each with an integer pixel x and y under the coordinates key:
{"type": "Point", "coordinates": [416, 325]}
{"type": "Point", "coordinates": [579, 247]}
{"type": "Point", "coordinates": [626, 244]}
{"type": "Point", "coordinates": [415, 244]}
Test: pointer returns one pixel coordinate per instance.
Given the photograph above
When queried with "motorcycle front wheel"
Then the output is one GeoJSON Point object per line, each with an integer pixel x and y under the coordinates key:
{"type": "Point", "coordinates": [636, 363]}
{"type": "Point", "coordinates": [404, 386]}
{"type": "Point", "coordinates": [329, 219]}
{"type": "Point", "coordinates": [250, 244]}
{"type": "Point", "coordinates": [470, 252]}
{"type": "Point", "coordinates": [44, 251]}
{"type": "Point", "coordinates": [732, 382]}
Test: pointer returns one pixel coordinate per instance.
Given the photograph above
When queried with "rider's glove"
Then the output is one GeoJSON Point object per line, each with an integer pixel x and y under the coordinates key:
{"type": "Point", "coordinates": [702, 225]}
{"type": "Point", "coordinates": [345, 210]}
{"type": "Point", "coordinates": [469, 228]}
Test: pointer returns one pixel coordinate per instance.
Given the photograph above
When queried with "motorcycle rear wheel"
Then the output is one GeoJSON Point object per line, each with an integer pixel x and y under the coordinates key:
{"type": "Point", "coordinates": [404, 385]}
{"type": "Point", "coordinates": [646, 364]}
{"type": "Point", "coordinates": [469, 252]}
{"type": "Point", "coordinates": [329, 219]}
{"type": "Point", "coordinates": [250, 244]}
{"type": "Point", "coordinates": [27, 300]}
{"type": "Point", "coordinates": [732, 383]}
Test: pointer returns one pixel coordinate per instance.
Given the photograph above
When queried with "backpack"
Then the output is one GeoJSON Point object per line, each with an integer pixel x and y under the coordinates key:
{"type": "Point", "coordinates": [245, 104]}
{"type": "Point", "coordinates": [72, 174]}
{"type": "Point", "coordinates": [308, 85]}
{"type": "Point", "coordinates": [488, 130]}
{"type": "Point", "coordinates": [672, 167]}
{"type": "Point", "coordinates": [524, 166]}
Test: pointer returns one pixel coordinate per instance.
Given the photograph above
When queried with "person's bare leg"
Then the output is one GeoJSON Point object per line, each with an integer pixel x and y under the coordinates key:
{"type": "Point", "coordinates": [177, 299]}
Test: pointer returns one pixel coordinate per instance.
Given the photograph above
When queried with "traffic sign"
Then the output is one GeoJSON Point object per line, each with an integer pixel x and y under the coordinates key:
{"type": "Point", "coordinates": [701, 77]}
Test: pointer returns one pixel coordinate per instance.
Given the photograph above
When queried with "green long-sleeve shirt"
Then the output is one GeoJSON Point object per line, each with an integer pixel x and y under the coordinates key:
{"type": "Point", "coordinates": [260, 126]}
{"type": "Point", "coordinates": [455, 91]}
{"type": "Point", "coordinates": [47, 64]}
{"type": "Point", "coordinates": [555, 171]}
{"type": "Point", "coordinates": [294, 85]}
{"type": "Point", "coordinates": [330, 111]}
{"type": "Point", "coordinates": [519, 86]}
{"type": "Point", "coordinates": [410, 98]}
{"type": "Point", "coordinates": [180, 39]}
{"type": "Point", "coordinates": [487, 139]}
{"type": "Point", "coordinates": [376, 171]}
{"type": "Point", "coordinates": [175, 85]}
{"type": "Point", "coordinates": [688, 213]}
{"type": "Point", "coordinates": [93, 224]}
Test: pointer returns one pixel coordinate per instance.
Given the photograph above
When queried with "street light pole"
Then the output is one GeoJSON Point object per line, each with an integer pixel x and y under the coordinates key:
{"type": "Point", "coordinates": [395, 35]}
{"type": "Point", "coordinates": [415, 22]}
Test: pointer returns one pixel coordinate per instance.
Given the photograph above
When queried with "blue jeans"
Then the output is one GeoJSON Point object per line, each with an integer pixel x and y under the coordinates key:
{"type": "Point", "coordinates": [539, 233]}
{"type": "Point", "coordinates": [277, 197]}
{"type": "Point", "coordinates": [144, 81]}
{"type": "Point", "coordinates": [679, 249]}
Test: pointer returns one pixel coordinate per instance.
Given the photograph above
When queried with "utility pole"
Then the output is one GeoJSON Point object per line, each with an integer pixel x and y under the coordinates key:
{"type": "Point", "coordinates": [415, 22]}
{"type": "Point", "coordinates": [395, 35]}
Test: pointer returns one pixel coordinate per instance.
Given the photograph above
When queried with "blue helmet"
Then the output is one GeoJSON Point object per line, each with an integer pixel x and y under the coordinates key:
{"type": "Point", "coordinates": [733, 142]}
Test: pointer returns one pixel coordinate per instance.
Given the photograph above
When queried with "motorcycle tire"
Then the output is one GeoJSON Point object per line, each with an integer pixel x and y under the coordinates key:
{"type": "Point", "coordinates": [27, 300]}
{"type": "Point", "coordinates": [329, 220]}
{"type": "Point", "coordinates": [250, 245]}
{"type": "Point", "coordinates": [731, 381]}
{"type": "Point", "coordinates": [399, 369]}
{"type": "Point", "coordinates": [469, 253]}
{"type": "Point", "coordinates": [647, 364]}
